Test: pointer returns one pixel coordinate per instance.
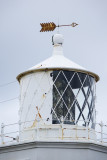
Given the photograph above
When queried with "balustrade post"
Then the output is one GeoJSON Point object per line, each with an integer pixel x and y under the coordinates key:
{"type": "Point", "coordinates": [2, 133]}
{"type": "Point", "coordinates": [62, 129]}
{"type": "Point", "coordinates": [101, 124]}
{"type": "Point", "coordinates": [19, 129]}
{"type": "Point", "coordinates": [87, 129]}
{"type": "Point", "coordinates": [37, 129]}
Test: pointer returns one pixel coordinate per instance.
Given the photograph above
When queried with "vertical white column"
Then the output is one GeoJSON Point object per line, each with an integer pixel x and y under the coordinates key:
{"type": "Point", "coordinates": [2, 133]}
{"type": "Point", "coordinates": [101, 124]}
{"type": "Point", "coordinates": [87, 129]}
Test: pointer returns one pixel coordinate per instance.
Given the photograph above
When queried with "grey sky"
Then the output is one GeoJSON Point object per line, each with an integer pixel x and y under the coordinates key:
{"type": "Point", "coordinates": [22, 45]}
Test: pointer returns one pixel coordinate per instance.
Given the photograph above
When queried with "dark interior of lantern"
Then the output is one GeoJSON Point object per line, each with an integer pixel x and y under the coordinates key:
{"type": "Point", "coordinates": [73, 97]}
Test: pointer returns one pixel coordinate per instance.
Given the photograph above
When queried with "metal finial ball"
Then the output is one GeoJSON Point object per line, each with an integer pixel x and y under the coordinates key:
{"type": "Point", "coordinates": [57, 39]}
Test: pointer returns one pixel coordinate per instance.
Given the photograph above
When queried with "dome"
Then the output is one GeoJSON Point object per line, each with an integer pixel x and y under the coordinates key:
{"type": "Point", "coordinates": [57, 61]}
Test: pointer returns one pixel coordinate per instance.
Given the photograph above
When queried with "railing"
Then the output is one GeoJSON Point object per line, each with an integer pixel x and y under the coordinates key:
{"type": "Point", "coordinates": [10, 133]}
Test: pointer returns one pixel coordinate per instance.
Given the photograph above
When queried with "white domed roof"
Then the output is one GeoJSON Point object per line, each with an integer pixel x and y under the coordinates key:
{"type": "Point", "coordinates": [57, 61]}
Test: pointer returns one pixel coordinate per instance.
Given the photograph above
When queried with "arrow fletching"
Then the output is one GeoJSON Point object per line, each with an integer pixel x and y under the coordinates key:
{"type": "Point", "coordinates": [46, 27]}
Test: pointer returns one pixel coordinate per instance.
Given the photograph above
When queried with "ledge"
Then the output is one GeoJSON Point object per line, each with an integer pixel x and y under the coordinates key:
{"type": "Point", "coordinates": [60, 145]}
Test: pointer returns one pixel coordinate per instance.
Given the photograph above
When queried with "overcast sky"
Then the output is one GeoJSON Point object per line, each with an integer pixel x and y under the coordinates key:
{"type": "Point", "coordinates": [23, 46]}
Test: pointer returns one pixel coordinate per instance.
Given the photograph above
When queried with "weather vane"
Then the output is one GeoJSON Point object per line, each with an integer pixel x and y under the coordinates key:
{"type": "Point", "coordinates": [46, 27]}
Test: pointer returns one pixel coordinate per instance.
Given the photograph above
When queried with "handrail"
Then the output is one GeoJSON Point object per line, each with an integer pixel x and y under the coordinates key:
{"type": "Point", "coordinates": [5, 136]}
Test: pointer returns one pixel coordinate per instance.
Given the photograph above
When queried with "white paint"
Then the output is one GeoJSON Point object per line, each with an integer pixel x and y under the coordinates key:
{"type": "Point", "coordinates": [36, 98]}
{"type": "Point", "coordinates": [57, 61]}
{"type": "Point", "coordinates": [58, 39]}
{"type": "Point", "coordinates": [58, 132]}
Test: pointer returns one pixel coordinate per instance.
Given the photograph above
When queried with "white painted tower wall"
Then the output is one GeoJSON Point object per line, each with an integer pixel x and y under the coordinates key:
{"type": "Point", "coordinates": [36, 100]}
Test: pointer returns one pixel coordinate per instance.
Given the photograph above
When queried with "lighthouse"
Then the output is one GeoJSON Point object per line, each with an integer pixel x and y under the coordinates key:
{"type": "Point", "coordinates": [57, 112]}
{"type": "Point", "coordinates": [57, 99]}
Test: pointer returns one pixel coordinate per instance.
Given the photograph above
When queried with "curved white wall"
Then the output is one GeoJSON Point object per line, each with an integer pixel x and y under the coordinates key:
{"type": "Point", "coordinates": [35, 98]}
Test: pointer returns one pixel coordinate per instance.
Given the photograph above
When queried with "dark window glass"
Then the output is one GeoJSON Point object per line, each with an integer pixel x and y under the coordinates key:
{"type": "Point", "coordinates": [73, 98]}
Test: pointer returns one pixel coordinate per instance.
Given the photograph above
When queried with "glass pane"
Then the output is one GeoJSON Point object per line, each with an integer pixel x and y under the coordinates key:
{"type": "Point", "coordinates": [60, 81]}
{"type": "Point", "coordinates": [73, 98]}
{"type": "Point", "coordinates": [75, 82]}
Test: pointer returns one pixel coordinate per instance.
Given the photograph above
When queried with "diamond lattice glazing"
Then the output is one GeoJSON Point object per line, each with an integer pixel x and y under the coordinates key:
{"type": "Point", "coordinates": [73, 98]}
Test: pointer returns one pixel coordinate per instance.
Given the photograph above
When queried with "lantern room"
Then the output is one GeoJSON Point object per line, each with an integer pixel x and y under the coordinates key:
{"type": "Point", "coordinates": [57, 92]}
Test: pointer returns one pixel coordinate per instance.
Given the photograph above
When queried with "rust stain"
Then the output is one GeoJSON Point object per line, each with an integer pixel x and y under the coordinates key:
{"type": "Point", "coordinates": [43, 96]}
{"type": "Point", "coordinates": [35, 121]}
{"type": "Point", "coordinates": [3, 142]}
{"type": "Point", "coordinates": [76, 132]}
{"type": "Point", "coordinates": [39, 115]}
{"type": "Point", "coordinates": [62, 133]}
{"type": "Point", "coordinates": [37, 108]}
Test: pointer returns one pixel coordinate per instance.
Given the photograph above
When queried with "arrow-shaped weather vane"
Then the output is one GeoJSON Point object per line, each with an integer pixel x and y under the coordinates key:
{"type": "Point", "coordinates": [46, 27]}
